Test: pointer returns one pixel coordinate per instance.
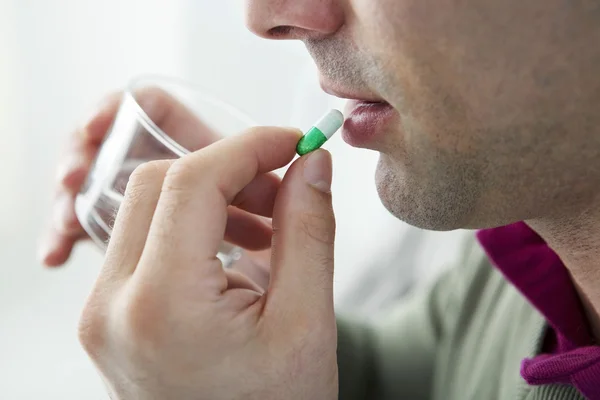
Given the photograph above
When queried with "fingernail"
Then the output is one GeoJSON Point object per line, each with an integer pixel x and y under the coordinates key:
{"type": "Point", "coordinates": [318, 170]}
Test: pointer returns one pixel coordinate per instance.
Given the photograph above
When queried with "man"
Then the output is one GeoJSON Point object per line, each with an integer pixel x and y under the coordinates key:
{"type": "Point", "coordinates": [485, 114]}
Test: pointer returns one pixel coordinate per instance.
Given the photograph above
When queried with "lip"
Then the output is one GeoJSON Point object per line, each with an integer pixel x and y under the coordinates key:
{"type": "Point", "coordinates": [366, 122]}
{"type": "Point", "coordinates": [367, 115]}
{"type": "Point", "coordinates": [345, 93]}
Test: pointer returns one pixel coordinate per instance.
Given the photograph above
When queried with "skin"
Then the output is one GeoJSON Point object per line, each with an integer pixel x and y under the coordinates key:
{"type": "Point", "coordinates": [497, 110]}
{"type": "Point", "coordinates": [497, 113]}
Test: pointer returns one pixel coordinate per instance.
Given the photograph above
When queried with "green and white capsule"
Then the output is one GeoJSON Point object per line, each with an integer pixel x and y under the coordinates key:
{"type": "Point", "coordinates": [320, 132]}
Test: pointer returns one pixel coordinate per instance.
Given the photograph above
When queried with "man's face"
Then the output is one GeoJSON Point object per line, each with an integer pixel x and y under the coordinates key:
{"type": "Point", "coordinates": [484, 112]}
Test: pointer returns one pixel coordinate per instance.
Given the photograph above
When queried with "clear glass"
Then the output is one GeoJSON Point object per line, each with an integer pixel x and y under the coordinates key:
{"type": "Point", "coordinates": [159, 118]}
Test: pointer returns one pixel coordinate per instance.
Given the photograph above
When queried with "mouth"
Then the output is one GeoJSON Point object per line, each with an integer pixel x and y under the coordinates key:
{"type": "Point", "coordinates": [349, 94]}
{"type": "Point", "coordinates": [367, 115]}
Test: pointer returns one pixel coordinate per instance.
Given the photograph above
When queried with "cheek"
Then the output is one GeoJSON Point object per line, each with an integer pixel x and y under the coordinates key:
{"type": "Point", "coordinates": [401, 42]}
{"type": "Point", "coordinates": [471, 62]}
{"type": "Point", "coordinates": [404, 34]}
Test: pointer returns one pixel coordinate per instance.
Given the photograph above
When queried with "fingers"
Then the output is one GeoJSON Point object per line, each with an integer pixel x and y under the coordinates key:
{"type": "Point", "coordinates": [304, 231]}
{"type": "Point", "coordinates": [237, 280]}
{"type": "Point", "coordinates": [259, 196]}
{"type": "Point", "coordinates": [84, 144]}
{"type": "Point", "coordinates": [170, 115]}
{"type": "Point", "coordinates": [134, 218]}
{"type": "Point", "coordinates": [95, 128]}
{"type": "Point", "coordinates": [191, 214]}
{"type": "Point", "coordinates": [247, 230]}
{"type": "Point", "coordinates": [135, 215]}
{"type": "Point", "coordinates": [64, 219]}
{"type": "Point", "coordinates": [256, 265]}
{"type": "Point", "coordinates": [74, 166]}
{"type": "Point", "coordinates": [56, 248]}
{"type": "Point", "coordinates": [64, 229]}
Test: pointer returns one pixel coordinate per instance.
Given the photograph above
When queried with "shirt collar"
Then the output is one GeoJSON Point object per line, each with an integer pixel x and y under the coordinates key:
{"type": "Point", "coordinates": [527, 261]}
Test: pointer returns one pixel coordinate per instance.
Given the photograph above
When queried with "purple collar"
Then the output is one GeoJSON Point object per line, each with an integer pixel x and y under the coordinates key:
{"type": "Point", "coordinates": [569, 356]}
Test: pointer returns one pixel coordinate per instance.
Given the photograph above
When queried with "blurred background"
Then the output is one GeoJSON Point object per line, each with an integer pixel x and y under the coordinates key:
{"type": "Point", "coordinates": [57, 59]}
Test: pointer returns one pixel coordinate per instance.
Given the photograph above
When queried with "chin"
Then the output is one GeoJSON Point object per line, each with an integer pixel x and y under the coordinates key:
{"type": "Point", "coordinates": [437, 207]}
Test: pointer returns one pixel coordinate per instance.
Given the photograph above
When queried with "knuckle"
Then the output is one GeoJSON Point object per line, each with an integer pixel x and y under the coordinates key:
{"type": "Point", "coordinates": [182, 174]}
{"type": "Point", "coordinates": [92, 326]}
{"type": "Point", "coordinates": [132, 317]}
{"type": "Point", "coordinates": [145, 176]}
{"type": "Point", "coordinates": [147, 172]}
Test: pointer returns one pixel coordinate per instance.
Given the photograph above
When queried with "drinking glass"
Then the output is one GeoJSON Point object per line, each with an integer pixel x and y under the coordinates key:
{"type": "Point", "coordinates": [159, 118]}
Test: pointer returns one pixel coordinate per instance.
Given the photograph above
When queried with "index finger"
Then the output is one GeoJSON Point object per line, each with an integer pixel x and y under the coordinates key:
{"type": "Point", "coordinates": [189, 223]}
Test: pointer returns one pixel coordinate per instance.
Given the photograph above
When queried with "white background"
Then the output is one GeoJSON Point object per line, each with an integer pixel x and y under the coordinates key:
{"type": "Point", "coordinates": [57, 59]}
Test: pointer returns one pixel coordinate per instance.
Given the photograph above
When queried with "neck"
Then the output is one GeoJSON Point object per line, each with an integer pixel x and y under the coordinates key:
{"type": "Point", "coordinates": [576, 240]}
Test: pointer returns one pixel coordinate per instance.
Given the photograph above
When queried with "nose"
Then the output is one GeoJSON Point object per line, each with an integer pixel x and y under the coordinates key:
{"type": "Point", "coordinates": [294, 19]}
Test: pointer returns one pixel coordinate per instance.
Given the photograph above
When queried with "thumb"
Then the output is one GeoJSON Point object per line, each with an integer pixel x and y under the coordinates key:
{"type": "Point", "coordinates": [304, 231]}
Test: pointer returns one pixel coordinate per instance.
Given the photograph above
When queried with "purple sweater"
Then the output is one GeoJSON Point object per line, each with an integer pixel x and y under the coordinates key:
{"type": "Point", "coordinates": [570, 354]}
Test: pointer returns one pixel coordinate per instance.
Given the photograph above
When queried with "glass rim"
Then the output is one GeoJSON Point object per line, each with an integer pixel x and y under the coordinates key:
{"type": "Point", "coordinates": [200, 93]}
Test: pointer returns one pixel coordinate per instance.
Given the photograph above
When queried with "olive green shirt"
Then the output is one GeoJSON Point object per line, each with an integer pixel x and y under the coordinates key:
{"type": "Point", "coordinates": [461, 339]}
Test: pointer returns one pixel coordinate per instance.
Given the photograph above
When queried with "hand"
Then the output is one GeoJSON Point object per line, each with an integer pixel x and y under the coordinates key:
{"type": "Point", "coordinates": [175, 119]}
{"type": "Point", "coordinates": [166, 321]}
{"type": "Point", "coordinates": [64, 230]}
